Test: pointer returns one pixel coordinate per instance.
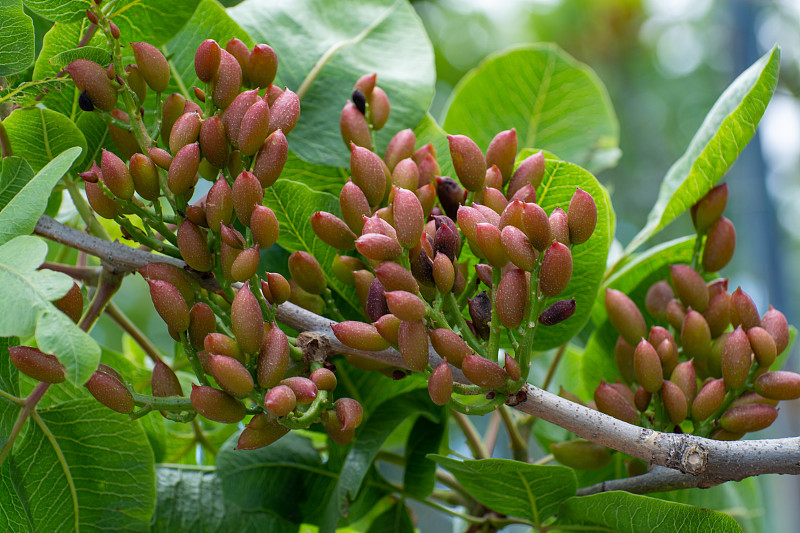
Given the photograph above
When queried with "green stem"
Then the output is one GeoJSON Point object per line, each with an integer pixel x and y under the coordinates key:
{"type": "Point", "coordinates": [130, 328]}
{"type": "Point", "coordinates": [494, 334]}
{"type": "Point", "coordinates": [478, 410]}
{"type": "Point", "coordinates": [27, 410]}
{"type": "Point", "coordinates": [175, 404]}
{"type": "Point", "coordinates": [461, 388]}
{"type": "Point", "coordinates": [223, 319]}
{"type": "Point", "coordinates": [268, 314]}
{"type": "Point", "coordinates": [535, 304]}
{"type": "Point", "coordinates": [330, 305]}
{"type": "Point", "coordinates": [698, 248]}
{"type": "Point", "coordinates": [451, 307]}
{"type": "Point", "coordinates": [191, 355]}
{"type": "Point", "coordinates": [151, 219]}
{"type": "Point", "coordinates": [471, 434]}
{"type": "Point", "coordinates": [200, 437]}
{"type": "Point", "coordinates": [553, 365]}
{"type": "Point", "coordinates": [12, 398]}
{"type": "Point", "coordinates": [156, 131]}
{"type": "Point", "coordinates": [519, 447]}
{"type": "Point", "coordinates": [310, 415]}
{"type": "Point", "coordinates": [150, 242]}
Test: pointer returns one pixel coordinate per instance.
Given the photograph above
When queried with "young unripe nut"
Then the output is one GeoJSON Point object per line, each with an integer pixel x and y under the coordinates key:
{"type": "Point", "coordinates": [226, 81]}
{"type": "Point", "coordinates": [412, 342]}
{"type": "Point", "coordinates": [489, 240]}
{"type": "Point", "coordinates": [193, 247]}
{"type": "Point", "coordinates": [392, 276]}
{"type": "Point", "coordinates": [658, 296]}
{"type": "Point", "coordinates": [440, 384]}
{"type": "Point", "coordinates": [708, 400]}
{"type": "Point", "coordinates": [206, 60]}
{"type": "Point", "coordinates": [685, 377]}
{"type": "Point", "coordinates": [152, 65]}
{"type": "Point", "coordinates": [581, 217]}
{"type": "Point", "coordinates": [164, 382]}
{"type": "Point", "coordinates": [736, 359]}
{"type": "Point", "coordinates": [408, 217]}
{"type": "Point", "coordinates": [719, 246]}
{"type": "Point", "coordinates": [280, 401]}
{"type": "Point", "coordinates": [354, 127]}
{"type": "Point", "coordinates": [39, 365]}
{"type": "Point", "coordinates": [360, 336]}
{"type": "Point", "coordinates": [625, 316]}
{"type": "Point", "coordinates": [202, 321]}
{"type": "Point", "coordinates": [695, 336]}
{"type": "Point", "coordinates": [378, 247]}
{"type": "Point", "coordinates": [623, 356]}
{"type": "Point", "coordinates": [531, 170]}
{"type": "Point", "coordinates": [367, 173]}
{"type": "Point", "coordinates": [349, 412]}
{"type": "Point", "coordinates": [245, 265]}
{"type": "Point", "coordinates": [110, 391]}
{"type": "Point", "coordinates": [536, 226]}
{"type": "Point", "coordinates": [581, 454]}
{"type": "Point", "coordinates": [747, 418]}
{"type": "Point", "coordinates": [71, 304]}
{"type": "Point", "coordinates": [763, 346]}
{"type": "Point", "coordinates": [778, 385]}
{"type": "Point", "coordinates": [647, 366]}
{"type": "Point", "coordinates": [743, 310]}
{"type": "Point", "coordinates": [284, 112]}
{"type": "Point", "coordinates": [262, 66]}
{"type": "Point", "coordinates": [511, 298]}
{"type": "Point", "coordinates": [556, 270]}
{"type": "Point", "coordinates": [247, 321]}
{"type": "Point", "coordinates": [518, 248]}
{"type": "Point", "coordinates": [557, 312]}
{"type": "Point", "coordinates": [217, 405]}
{"type": "Point", "coordinates": [690, 287]}
{"type": "Point", "coordinates": [273, 358]}
{"type": "Point", "coordinates": [776, 325]}
{"type": "Point", "coordinates": [483, 372]}
{"type": "Point", "coordinates": [262, 430]}
{"type": "Point", "coordinates": [709, 208]}
{"type": "Point", "coordinates": [480, 311]}
{"type": "Point", "coordinates": [400, 147]}
{"type": "Point", "coordinates": [271, 158]}
{"type": "Point", "coordinates": [559, 226]}
{"type": "Point", "coordinates": [501, 152]}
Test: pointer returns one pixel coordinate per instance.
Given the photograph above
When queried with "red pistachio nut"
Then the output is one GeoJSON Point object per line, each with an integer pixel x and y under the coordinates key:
{"type": "Point", "coordinates": [408, 218]}
{"type": "Point", "coordinates": [518, 248]}
{"type": "Point", "coordinates": [444, 273]}
{"type": "Point", "coordinates": [123, 139]}
{"type": "Point", "coordinates": [354, 127]}
{"type": "Point", "coordinates": [170, 111]}
{"type": "Point", "coordinates": [185, 131]}
{"type": "Point", "coordinates": [778, 385]}
{"type": "Point", "coordinates": [776, 325]}
{"type": "Point", "coordinates": [748, 418]}
{"type": "Point", "coordinates": [170, 305]}
{"type": "Point", "coordinates": [708, 400]}
{"type": "Point", "coordinates": [559, 226]}
{"type": "Point", "coordinates": [440, 384]}
{"type": "Point", "coordinates": [206, 60]}
{"type": "Point", "coordinates": [234, 114]}
{"type": "Point", "coordinates": [689, 286]}
{"type": "Point", "coordinates": [483, 372]}
{"type": "Point", "coordinates": [526, 194]}
{"type": "Point", "coordinates": [160, 157]}
{"type": "Point", "coordinates": [264, 226]}
{"type": "Point", "coordinates": [581, 217]}
{"type": "Point", "coordinates": [753, 397]}
{"type": "Point", "coordinates": [36, 364]}
{"type": "Point", "coordinates": [247, 194]}
{"type": "Point", "coordinates": [262, 430]}
{"type": "Point", "coordinates": [334, 429]}
{"type": "Point", "coordinates": [709, 208]}
{"type": "Point", "coordinates": [349, 412]}
{"type": "Point", "coordinates": [685, 377]}
{"type": "Point", "coordinates": [394, 277]}
{"type": "Point", "coordinates": [625, 316]}
{"type": "Point", "coordinates": [193, 247]}
{"type": "Point", "coordinates": [110, 391]}
{"type": "Point", "coordinates": [116, 176]}
{"type": "Point", "coordinates": [202, 321]}
{"type": "Point", "coordinates": [647, 366]}
{"type": "Point", "coordinates": [262, 66]}
{"type": "Point", "coordinates": [556, 270]}
{"type": "Point", "coordinates": [400, 147]}
{"type": "Point", "coordinates": [360, 336]}
{"type": "Point", "coordinates": [245, 265]}
{"type": "Point", "coordinates": [502, 152]}
{"type": "Point", "coordinates": [557, 312]}
{"type": "Point", "coordinates": [405, 305]}
{"type": "Point", "coordinates": [219, 205]}
{"type": "Point", "coordinates": [182, 174]}
{"type": "Point", "coordinates": [152, 65]}
{"type": "Point", "coordinates": [428, 170]}
{"type": "Point", "coordinates": [324, 379]}
{"type": "Point", "coordinates": [333, 231]}
{"type": "Point", "coordinates": [273, 358]}
{"type": "Point", "coordinates": [304, 389]}
{"type": "Point", "coordinates": [658, 296]}
{"type": "Point", "coordinates": [412, 342]}
{"type": "Point", "coordinates": [221, 344]}
{"type": "Point", "coordinates": [536, 226]}
{"type": "Point", "coordinates": [354, 206]}
{"type": "Point", "coordinates": [284, 112]}
{"type": "Point", "coordinates": [512, 215]}
{"type": "Point", "coordinates": [247, 321]}
{"type": "Point", "coordinates": [743, 310]}
{"type": "Point", "coordinates": [378, 247]}
{"type": "Point", "coordinates": [145, 176]}
{"type": "Point", "coordinates": [271, 158]}
{"type": "Point", "coordinates": [280, 401]}
{"type": "Point", "coordinates": [511, 298]}
{"type": "Point", "coordinates": [612, 403]}
{"type": "Point", "coordinates": [136, 82]}
{"type": "Point", "coordinates": [185, 283]}
{"type": "Point", "coordinates": [227, 80]}
{"type": "Point", "coordinates": [91, 78]}
{"type": "Point", "coordinates": [213, 142]}
{"type": "Point", "coordinates": [763, 346]}
{"type": "Point", "coordinates": [379, 105]}
{"type": "Point", "coordinates": [389, 327]}
{"type": "Point", "coordinates": [719, 246]}
{"type": "Point", "coordinates": [230, 375]}
{"type": "Point", "coordinates": [217, 405]}
{"type": "Point", "coordinates": [71, 304]}
{"type": "Point", "coordinates": [367, 174]}
{"type": "Point", "coordinates": [676, 313]}
{"type": "Point", "coordinates": [278, 287]}
{"type": "Point", "coordinates": [449, 345]}
{"type": "Point", "coordinates": [531, 170]}
{"type": "Point", "coordinates": [468, 161]}
{"type": "Point", "coordinates": [406, 174]}
{"type": "Point", "coordinates": [239, 50]}
{"type": "Point", "coordinates": [307, 272]}
{"type": "Point", "coordinates": [164, 382]}
{"type": "Point", "coordinates": [512, 368]}
{"type": "Point", "coordinates": [736, 359]}
{"type": "Point", "coordinates": [232, 237]}
{"type": "Point", "coordinates": [674, 402]}
{"type": "Point", "coordinates": [227, 255]}
{"type": "Point", "coordinates": [489, 240]}
{"type": "Point", "coordinates": [695, 336]}
{"type": "Point", "coordinates": [641, 399]}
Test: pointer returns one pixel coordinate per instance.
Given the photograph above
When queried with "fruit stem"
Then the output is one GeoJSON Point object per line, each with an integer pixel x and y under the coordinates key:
{"type": "Point", "coordinates": [535, 304]}
{"type": "Point", "coordinates": [452, 309]}
{"type": "Point", "coordinates": [494, 334]}
{"type": "Point", "coordinates": [30, 404]}
{"type": "Point", "coordinates": [130, 328]}
{"type": "Point", "coordinates": [309, 416]}
{"type": "Point", "coordinates": [191, 355]}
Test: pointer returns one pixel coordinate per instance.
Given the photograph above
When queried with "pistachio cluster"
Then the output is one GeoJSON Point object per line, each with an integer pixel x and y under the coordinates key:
{"type": "Point", "coordinates": [707, 355]}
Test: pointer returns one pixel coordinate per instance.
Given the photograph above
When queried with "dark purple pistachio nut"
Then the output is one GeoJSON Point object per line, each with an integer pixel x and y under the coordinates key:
{"type": "Point", "coordinates": [182, 174]}
{"type": "Point", "coordinates": [440, 384]}
{"type": "Point", "coordinates": [748, 418]}
{"type": "Point", "coordinates": [612, 403]}
{"type": "Point", "coordinates": [480, 311]}
{"type": "Point", "coordinates": [227, 81]}
{"type": "Point", "coordinates": [581, 217]}
{"type": "Point", "coordinates": [483, 372]}
{"type": "Point", "coordinates": [450, 346]}
{"type": "Point", "coordinates": [511, 298]}
{"type": "Point", "coordinates": [531, 170]}
{"type": "Point", "coordinates": [557, 312]}
{"type": "Point", "coordinates": [689, 286]}
{"type": "Point", "coordinates": [354, 127]}
{"type": "Point", "coordinates": [110, 391]}
{"type": "Point", "coordinates": [360, 336]}
{"type": "Point", "coordinates": [778, 385]}
{"type": "Point", "coordinates": [280, 401]}
{"type": "Point", "coordinates": [502, 152]}
{"type": "Point", "coordinates": [556, 270]}
{"type": "Point", "coordinates": [446, 239]}
{"type": "Point", "coordinates": [333, 231]}
{"type": "Point", "coordinates": [116, 176]}
{"type": "Point", "coordinates": [625, 316]}
{"type": "Point", "coordinates": [304, 389]}
{"type": "Point", "coordinates": [709, 208]}
{"type": "Point", "coordinates": [36, 364]}
{"type": "Point", "coordinates": [623, 355]}
{"type": "Point", "coordinates": [91, 78]}
{"type": "Point", "coordinates": [273, 358]}
{"type": "Point", "coordinates": [743, 310]}
{"type": "Point", "coordinates": [194, 247]}
{"type": "Point", "coordinates": [152, 65]}
{"type": "Point", "coordinates": [708, 400]}
{"type": "Point", "coordinates": [247, 321]}
{"type": "Point", "coordinates": [247, 194]}
{"type": "Point", "coordinates": [695, 336]}
{"type": "Point", "coordinates": [170, 305]}
{"type": "Point", "coordinates": [450, 194]}
{"type": "Point", "coordinates": [262, 66]}
{"type": "Point", "coordinates": [719, 246]}
{"type": "Point", "coordinates": [581, 454]}
{"type": "Point", "coordinates": [230, 375]}
{"type": "Point", "coordinates": [202, 321]}
{"type": "Point", "coordinates": [422, 267]}
{"type": "Point", "coordinates": [217, 405]}
{"type": "Point", "coordinates": [271, 158]}
{"type": "Point", "coordinates": [736, 359]}
{"type": "Point", "coordinates": [647, 366]}
{"type": "Point", "coordinates": [658, 296]}
{"type": "Point", "coordinates": [324, 379]}
{"type": "Point", "coordinates": [776, 325]}
{"type": "Point", "coordinates": [536, 226]}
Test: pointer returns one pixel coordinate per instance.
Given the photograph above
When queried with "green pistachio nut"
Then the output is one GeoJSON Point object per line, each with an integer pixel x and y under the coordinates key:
{"type": "Point", "coordinates": [245, 265]}
{"type": "Point", "coordinates": [307, 272]}
{"type": "Point", "coordinates": [145, 176]}
{"type": "Point", "coordinates": [230, 375]}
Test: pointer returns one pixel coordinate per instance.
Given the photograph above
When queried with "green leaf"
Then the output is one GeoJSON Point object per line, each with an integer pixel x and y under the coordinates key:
{"type": "Point", "coordinates": [368, 440]}
{"type": "Point", "coordinates": [92, 53]}
{"type": "Point", "coordinates": [533, 492]}
{"type": "Point", "coordinates": [23, 197]}
{"type": "Point", "coordinates": [151, 21]}
{"type": "Point", "coordinates": [9, 382]}
{"type": "Point", "coordinates": [191, 500]}
{"type": "Point", "coordinates": [14, 516]}
{"type": "Point", "coordinates": [554, 102]}
{"type": "Point", "coordinates": [725, 132]}
{"type": "Point", "coordinates": [209, 21]}
{"type": "Point", "coordinates": [60, 11]}
{"type": "Point", "coordinates": [324, 47]}
{"type": "Point", "coordinates": [588, 259]}
{"type": "Point", "coordinates": [39, 135]}
{"type": "Point", "coordinates": [317, 177]}
{"type": "Point", "coordinates": [293, 204]}
{"type": "Point", "coordinates": [634, 279]}
{"type": "Point", "coordinates": [370, 388]}
{"type": "Point", "coordinates": [426, 437]}
{"type": "Point", "coordinates": [16, 38]}
{"type": "Point", "coordinates": [29, 93]}
{"type": "Point", "coordinates": [63, 487]}
{"type": "Point", "coordinates": [394, 520]}
{"type": "Point", "coordinates": [631, 513]}
{"type": "Point", "coordinates": [29, 291]}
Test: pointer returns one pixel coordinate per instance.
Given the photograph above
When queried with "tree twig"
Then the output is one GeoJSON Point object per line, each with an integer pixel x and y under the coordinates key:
{"type": "Point", "coordinates": [471, 434]}
{"type": "Point", "coordinates": [658, 479]}
{"type": "Point", "coordinates": [130, 328]}
{"type": "Point", "coordinates": [708, 462]}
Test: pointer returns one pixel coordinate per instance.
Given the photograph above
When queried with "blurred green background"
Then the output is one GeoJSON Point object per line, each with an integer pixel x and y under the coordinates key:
{"type": "Point", "coordinates": [664, 63]}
